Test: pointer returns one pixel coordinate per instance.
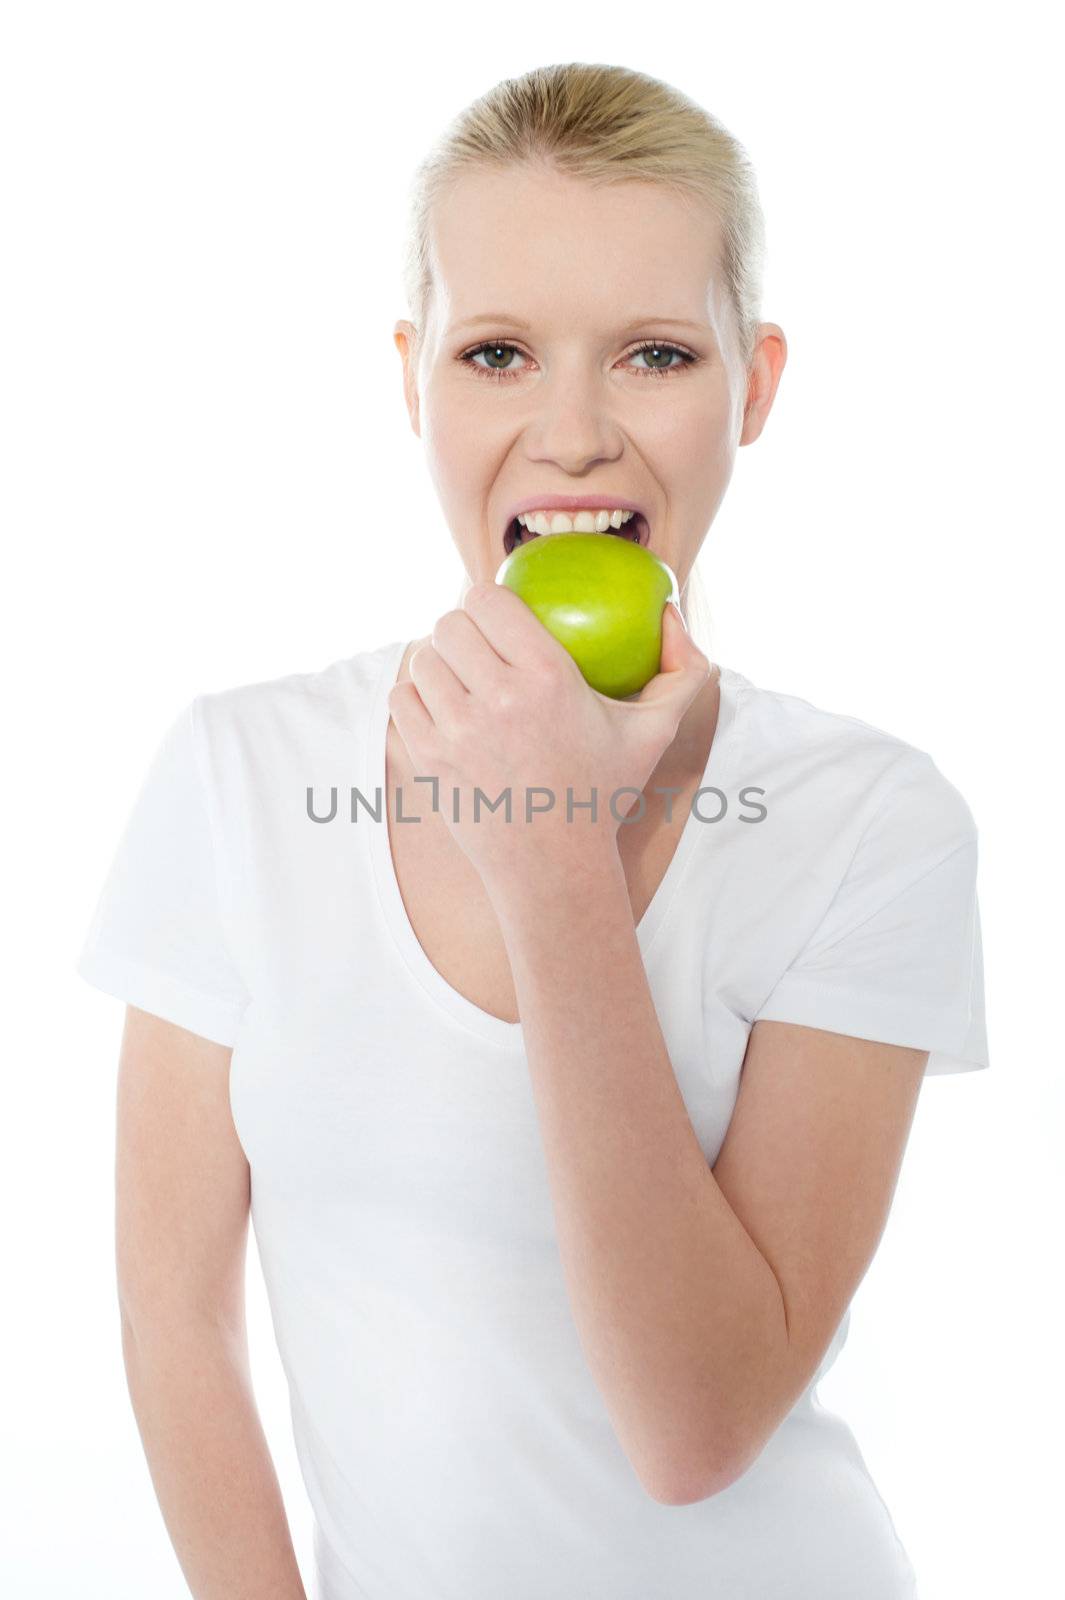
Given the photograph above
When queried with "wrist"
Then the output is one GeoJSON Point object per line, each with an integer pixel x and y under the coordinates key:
{"type": "Point", "coordinates": [549, 877]}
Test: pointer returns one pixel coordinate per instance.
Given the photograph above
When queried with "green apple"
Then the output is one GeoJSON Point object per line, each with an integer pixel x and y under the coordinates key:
{"type": "Point", "coordinates": [600, 596]}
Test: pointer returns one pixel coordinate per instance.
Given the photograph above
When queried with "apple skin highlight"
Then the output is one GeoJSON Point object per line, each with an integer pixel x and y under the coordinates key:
{"type": "Point", "coordinates": [602, 598]}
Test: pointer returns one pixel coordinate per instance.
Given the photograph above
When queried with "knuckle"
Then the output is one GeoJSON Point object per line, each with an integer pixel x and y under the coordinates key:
{"type": "Point", "coordinates": [506, 701]}
{"type": "Point", "coordinates": [557, 676]}
{"type": "Point", "coordinates": [449, 623]}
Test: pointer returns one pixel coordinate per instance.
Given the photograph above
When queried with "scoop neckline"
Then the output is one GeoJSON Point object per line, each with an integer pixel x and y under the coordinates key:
{"type": "Point", "coordinates": [497, 1030]}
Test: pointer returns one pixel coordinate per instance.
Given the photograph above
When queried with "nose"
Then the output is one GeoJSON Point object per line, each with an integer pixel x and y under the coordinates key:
{"type": "Point", "coordinates": [572, 423]}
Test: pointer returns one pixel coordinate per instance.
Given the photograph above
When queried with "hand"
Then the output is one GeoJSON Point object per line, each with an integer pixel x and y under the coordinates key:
{"type": "Point", "coordinates": [496, 702]}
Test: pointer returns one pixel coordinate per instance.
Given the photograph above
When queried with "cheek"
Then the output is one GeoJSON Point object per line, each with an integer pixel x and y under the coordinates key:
{"type": "Point", "coordinates": [457, 420]}
{"type": "Point", "coordinates": [465, 439]}
{"type": "Point", "coordinates": [701, 440]}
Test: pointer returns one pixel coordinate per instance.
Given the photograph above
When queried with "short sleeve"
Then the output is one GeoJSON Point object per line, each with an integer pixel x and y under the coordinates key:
{"type": "Point", "coordinates": [897, 955]}
{"type": "Point", "coordinates": [156, 938]}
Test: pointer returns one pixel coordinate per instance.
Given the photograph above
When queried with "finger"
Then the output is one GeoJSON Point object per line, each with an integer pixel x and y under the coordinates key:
{"type": "Point", "coordinates": [683, 668]}
{"type": "Point", "coordinates": [459, 641]}
{"type": "Point", "coordinates": [442, 693]}
{"type": "Point", "coordinates": [513, 629]}
{"type": "Point", "coordinates": [412, 720]}
{"type": "Point", "coordinates": [678, 646]}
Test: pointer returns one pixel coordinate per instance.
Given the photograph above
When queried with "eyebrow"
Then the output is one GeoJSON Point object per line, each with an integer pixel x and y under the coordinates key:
{"type": "Point", "coordinates": [637, 322]}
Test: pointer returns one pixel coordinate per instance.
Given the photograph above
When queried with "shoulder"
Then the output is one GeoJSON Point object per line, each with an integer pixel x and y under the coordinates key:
{"type": "Point", "coordinates": [295, 707]}
{"type": "Point", "coordinates": [844, 766]}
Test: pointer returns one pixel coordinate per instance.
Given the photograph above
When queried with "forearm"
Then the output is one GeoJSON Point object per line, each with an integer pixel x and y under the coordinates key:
{"type": "Point", "coordinates": [210, 1463]}
{"type": "Point", "coordinates": [680, 1316]}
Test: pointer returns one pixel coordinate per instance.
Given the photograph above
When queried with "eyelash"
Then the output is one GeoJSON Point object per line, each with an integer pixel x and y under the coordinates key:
{"type": "Point", "coordinates": [689, 358]}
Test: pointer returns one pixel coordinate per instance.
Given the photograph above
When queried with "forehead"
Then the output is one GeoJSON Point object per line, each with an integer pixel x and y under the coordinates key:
{"type": "Point", "coordinates": [551, 249]}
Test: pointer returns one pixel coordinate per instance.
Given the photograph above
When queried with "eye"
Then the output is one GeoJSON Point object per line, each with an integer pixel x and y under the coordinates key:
{"type": "Point", "coordinates": [657, 347]}
{"type": "Point", "coordinates": [500, 349]}
{"type": "Point", "coordinates": [494, 348]}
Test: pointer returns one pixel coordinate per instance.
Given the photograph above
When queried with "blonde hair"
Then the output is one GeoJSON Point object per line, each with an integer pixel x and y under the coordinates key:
{"type": "Point", "coordinates": [606, 125]}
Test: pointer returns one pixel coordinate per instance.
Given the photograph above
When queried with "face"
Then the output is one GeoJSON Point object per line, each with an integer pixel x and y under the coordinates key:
{"type": "Point", "coordinates": [529, 378]}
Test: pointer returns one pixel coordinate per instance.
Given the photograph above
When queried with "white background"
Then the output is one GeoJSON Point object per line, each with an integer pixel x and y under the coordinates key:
{"type": "Point", "coordinates": [209, 479]}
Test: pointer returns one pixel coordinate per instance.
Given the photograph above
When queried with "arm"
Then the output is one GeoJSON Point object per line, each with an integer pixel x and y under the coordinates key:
{"type": "Point", "coordinates": [677, 1311]}
{"type": "Point", "coordinates": [704, 1299]}
{"type": "Point", "coordinates": [700, 1318]}
{"type": "Point", "coordinates": [182, 1190]}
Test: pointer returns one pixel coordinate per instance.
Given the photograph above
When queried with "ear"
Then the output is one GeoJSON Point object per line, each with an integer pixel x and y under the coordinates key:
{"type": "Point", "coordinates": [405, 338]}
{"type": "Point", "coordinates": [770, 355]}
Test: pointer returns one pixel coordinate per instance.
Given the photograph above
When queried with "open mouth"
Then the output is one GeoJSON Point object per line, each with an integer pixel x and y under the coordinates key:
{"type": "Point", "coordinates": [636, 531]}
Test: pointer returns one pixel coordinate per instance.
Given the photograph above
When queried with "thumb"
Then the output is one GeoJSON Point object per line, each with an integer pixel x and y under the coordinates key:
{"type": "Point", "coordinates": [678, 646]}
{"type": "Point", "coordinates": [683, 667]}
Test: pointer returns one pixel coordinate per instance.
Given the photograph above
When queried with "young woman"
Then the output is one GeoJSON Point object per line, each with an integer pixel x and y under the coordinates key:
{"type": "Point", "coordinates": [567, 1140]}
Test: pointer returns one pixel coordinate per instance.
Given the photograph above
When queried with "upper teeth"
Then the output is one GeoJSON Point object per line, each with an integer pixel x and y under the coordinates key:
{"type": "Point", "coordinates": [582, 522]}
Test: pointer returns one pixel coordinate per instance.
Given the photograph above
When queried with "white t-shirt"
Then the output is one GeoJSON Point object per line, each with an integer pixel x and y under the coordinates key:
{"type": "Point", "coordinates": [453, 1443]}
